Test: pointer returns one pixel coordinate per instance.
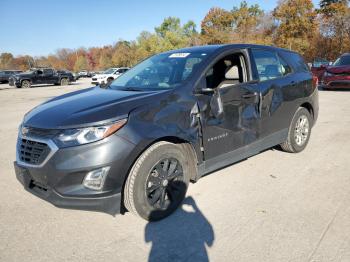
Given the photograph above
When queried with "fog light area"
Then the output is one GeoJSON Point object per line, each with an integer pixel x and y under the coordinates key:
{"type": "Point", "coordinates": [95, 179]}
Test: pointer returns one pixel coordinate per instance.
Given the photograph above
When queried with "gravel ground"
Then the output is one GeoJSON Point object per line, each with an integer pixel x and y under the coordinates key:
{"type": "Point", "coordinates": [272, 207]}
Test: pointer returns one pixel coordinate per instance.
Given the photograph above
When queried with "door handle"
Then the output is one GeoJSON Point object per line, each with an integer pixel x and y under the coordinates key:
{"type": "Point", "coordinates": [251, 95]}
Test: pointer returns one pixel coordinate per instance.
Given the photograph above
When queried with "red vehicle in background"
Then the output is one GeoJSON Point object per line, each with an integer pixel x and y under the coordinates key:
{"type": "Point", "coordinates": [338, 74]}
{"type": "Point", "coordinates": [318, 67]}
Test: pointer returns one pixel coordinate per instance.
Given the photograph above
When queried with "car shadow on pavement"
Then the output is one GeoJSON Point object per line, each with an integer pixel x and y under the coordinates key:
{"type": "Point", "coordinates": [183, 236]}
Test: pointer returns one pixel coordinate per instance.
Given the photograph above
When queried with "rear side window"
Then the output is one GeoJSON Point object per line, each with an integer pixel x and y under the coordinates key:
{"type": "Point", "coordinates": [270, 65]}
{"type": "Point", "coordinates": [48, 71]}
{"type": "Point", "coordinates": [296, 61]}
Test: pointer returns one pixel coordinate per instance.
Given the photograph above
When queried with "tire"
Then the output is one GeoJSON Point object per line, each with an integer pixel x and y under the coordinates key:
{"type": "Point", "coordinates": [64, 82]}
{"type": "Point", "coordinates": [157, 182]}
{"type": "Point", "coordinates": [109, 80]}
{"type": "Point", "coordinates": [26, 84]}
{"type": "Point", "coordinates": [299, 132]}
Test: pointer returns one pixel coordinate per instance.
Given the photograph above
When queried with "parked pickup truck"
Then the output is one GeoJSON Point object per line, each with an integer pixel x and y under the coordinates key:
{"type": "Point", "coordinates": [5, 75]}
{"type": "Point", "coordinates": [175, 117]}
{"type": "Point", "coordinates": [41, 76]}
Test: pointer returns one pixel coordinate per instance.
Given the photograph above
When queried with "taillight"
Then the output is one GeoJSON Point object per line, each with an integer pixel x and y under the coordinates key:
{"type": "Point", "coordinates": [314, 82]}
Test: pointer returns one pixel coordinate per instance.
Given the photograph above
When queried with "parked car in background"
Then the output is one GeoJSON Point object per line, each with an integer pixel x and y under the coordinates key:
{"type": "Point", "coordinates": [171, 119]}
{"type": "Point", "coordinates": [41, 76]}
{"type": "Point", "coordinates": [108, 76]}
{"type": "Point", "coordinates": [76, 76]}
{"type": "Point", "coordinates": [5, 75]}
{"type": "Point", "coordinates": [84, 73]}
{"type": "Point", "coordinates": [318, 67]}
{"type": "Point", "coordinates": [337, 75]}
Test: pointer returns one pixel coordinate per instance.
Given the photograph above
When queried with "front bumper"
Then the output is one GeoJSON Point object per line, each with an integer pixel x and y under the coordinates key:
{"type": "Point", "coordinates": [334, 82]}
{"type": "Point", "coordinates": [109, 204]}
{"type": "Point", "coordinates": [59, 179]}
{"type": "Point", "coordinates": [98, 81]}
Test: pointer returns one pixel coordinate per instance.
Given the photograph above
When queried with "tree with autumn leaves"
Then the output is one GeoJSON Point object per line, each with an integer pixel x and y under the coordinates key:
{"type": "Point", "coordinates": [315, 32]}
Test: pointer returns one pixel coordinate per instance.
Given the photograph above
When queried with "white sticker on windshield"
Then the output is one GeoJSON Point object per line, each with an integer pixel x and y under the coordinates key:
{"type": "Point", "coordinates": [179, 55]}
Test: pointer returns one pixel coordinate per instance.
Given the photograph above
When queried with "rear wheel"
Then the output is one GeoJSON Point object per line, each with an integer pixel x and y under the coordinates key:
{"type": "Point", "coordinates": [25, 84]}
{"type": "Point", "coordinates": [299, 132]}
{"type": "Point", "coordinates": [157, 182]}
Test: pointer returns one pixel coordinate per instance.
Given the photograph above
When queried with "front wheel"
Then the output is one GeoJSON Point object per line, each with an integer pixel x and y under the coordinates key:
{"type": "Point", "coordinates": [157, 182]}
{"type": "Point", "coordinates": [299, 132]}
{"type": "Point", "coordinates": [25, 84]}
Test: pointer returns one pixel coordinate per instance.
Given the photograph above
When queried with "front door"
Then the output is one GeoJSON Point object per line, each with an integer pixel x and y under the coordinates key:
{"type": "Point", "coordinates": [38, 77]}
{"type": "Point", "coordinates": [230, 114]}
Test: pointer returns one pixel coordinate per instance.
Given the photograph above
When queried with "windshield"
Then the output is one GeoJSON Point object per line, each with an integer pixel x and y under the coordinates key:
{"type": "Point", "coordinates": [109, 71]}
{"type": "Point", "coordinates": [163, 71]}
{"type": "Point", "coordinates": [343, 60]}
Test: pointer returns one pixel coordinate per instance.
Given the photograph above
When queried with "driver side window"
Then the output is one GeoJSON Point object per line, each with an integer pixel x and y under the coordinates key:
{"type": "Point", "coordinates": [228, 71]}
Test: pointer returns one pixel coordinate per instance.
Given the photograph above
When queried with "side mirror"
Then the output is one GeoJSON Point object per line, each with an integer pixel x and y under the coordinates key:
{"type": "Point", "coordinates": [322, 66]}
{"type": "Point", "coordinates": [202, 88]}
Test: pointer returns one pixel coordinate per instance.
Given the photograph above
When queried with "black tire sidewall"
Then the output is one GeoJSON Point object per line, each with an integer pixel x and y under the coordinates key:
{"type": "Point", "coordinates": [143, 208]}
{"type": "Point", "coordinates": [299, 113]}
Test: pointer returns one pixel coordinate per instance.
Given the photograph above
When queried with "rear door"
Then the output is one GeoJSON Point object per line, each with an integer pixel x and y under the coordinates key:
{"type": "Point", "coordinates": [48, 76]}
{"type": "Point", "coordinates": [276, 80]}
{"type": "Point", "coordinates": [230, 115]}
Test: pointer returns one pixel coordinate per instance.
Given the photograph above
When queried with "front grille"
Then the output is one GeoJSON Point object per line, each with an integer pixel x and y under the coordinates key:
{"type": "Point", "coordinates": [41, 133]}
{"type": "Point", "coordinates": [32, 152]}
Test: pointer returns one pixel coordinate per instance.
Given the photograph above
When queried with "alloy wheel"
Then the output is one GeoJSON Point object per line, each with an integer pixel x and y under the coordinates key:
{"type": "Point", "coordinates": [164, 184]}
{"type": "Point", "coordinates": [301, 131]}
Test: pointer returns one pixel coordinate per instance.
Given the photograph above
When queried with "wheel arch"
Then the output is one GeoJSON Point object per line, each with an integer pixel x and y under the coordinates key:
{"type": "Point", "coordinates": [186, 146]}
{"type": "Point", "coordinates": [309, 108]}
{"type": "Point", "coordinates": [26, 79]}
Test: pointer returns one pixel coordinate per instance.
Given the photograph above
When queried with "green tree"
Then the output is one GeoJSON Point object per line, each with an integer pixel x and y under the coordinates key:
{"type": "Point", "coordinates": [170, 24]}
{"type": "Point", "coordinates": [189, 29]}
{"type": "Point", "coordinates": [246, 20]}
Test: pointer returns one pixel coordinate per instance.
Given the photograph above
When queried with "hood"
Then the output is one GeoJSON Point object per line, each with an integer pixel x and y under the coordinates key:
{"type": "Point", "coordinates": [339, 69]}
{"type": "Point", "coordinates": [89, 107]}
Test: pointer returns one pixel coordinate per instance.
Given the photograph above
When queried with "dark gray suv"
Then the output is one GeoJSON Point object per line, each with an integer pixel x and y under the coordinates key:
{"type": "Point", "coordinates": [135, 145]}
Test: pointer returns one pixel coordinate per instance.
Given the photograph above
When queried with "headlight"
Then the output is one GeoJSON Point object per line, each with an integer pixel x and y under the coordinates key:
{"type": "Point", "coordinates": [81, 136]}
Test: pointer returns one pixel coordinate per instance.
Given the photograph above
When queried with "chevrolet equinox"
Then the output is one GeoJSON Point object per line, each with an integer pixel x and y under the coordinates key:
{"type": "Point", "coordinates": [136, 144]}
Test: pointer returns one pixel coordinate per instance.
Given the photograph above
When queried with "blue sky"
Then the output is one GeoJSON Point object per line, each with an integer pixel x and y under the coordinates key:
{"type": "Point", "coordinates": [39, 27]}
